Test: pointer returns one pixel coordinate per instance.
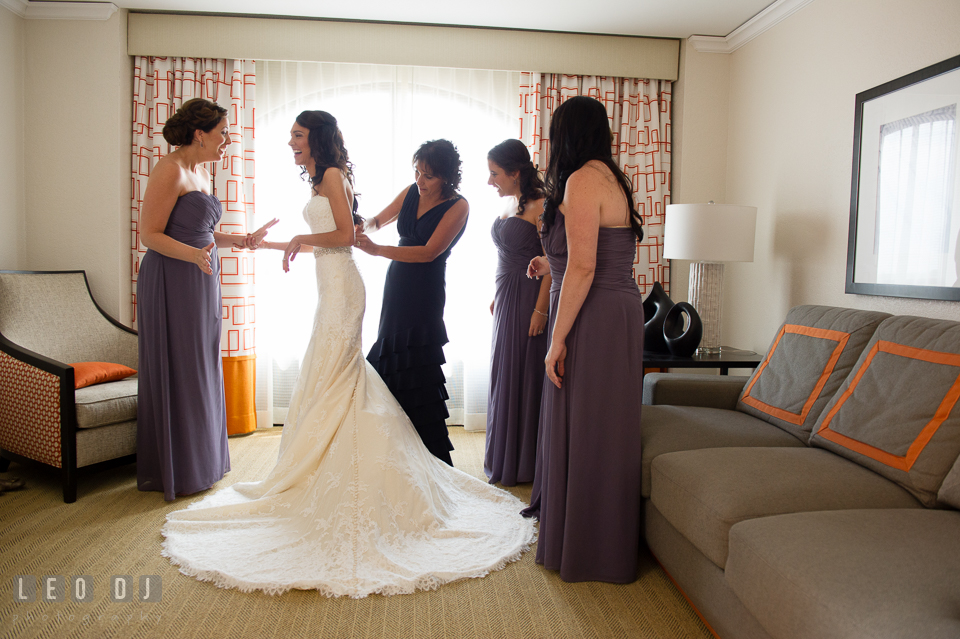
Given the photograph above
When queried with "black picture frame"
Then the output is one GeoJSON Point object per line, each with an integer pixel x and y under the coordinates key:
{"type": "Point", "coordinates": [866, 176]}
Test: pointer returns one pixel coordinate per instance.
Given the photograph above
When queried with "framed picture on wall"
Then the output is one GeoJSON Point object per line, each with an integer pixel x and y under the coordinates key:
{"type": "Point", "coordinates": [905, 199]}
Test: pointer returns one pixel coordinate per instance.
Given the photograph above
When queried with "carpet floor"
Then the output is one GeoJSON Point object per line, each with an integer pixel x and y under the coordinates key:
{"type": "Point", "coordinates": [114, 529]}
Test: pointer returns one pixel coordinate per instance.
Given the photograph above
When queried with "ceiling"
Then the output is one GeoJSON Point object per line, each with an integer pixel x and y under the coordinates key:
{"type": "Point", "coordinates": [663, 18]}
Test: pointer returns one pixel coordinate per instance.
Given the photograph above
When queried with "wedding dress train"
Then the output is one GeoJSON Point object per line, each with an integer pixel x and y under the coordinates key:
{"type": "Point", "coordinates": [355, 504]}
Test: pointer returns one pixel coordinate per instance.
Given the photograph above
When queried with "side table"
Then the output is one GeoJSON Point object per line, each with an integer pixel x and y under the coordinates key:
{"type": "Point", "coordinates": [726, 359]}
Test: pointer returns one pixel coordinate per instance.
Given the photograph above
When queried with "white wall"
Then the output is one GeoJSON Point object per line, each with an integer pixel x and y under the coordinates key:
{"type": "Point", "coordinates": [77, 88]}
{"type": "Point", "coordinates": [789, 149]}
{"type": "Point", "coordinates": [699, 145]}
{"type": "Point", "coordinates": [12, 213]}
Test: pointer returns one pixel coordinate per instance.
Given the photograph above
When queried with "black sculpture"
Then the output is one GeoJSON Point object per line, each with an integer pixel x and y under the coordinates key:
{"type": "Point", "coordinates": [655, 309]}
{"type": "Point", "coordinates": [682, 341]}
{"type": "Point", "coordinates": [665, 330]}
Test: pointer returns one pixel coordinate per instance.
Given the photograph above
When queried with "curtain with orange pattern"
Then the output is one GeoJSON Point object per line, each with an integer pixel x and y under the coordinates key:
{"type": "Point", "coordinates": [161, 85]}
{"type": "Point", "coordinates": [639, 112]}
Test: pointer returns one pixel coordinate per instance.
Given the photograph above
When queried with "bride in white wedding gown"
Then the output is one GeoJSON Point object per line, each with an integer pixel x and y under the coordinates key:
{"type": "Point", "coordinates": [356, 504]}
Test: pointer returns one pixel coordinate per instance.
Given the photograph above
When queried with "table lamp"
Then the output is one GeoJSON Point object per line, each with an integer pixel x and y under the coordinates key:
{"type": "Point", "coordinates": [709, 235]}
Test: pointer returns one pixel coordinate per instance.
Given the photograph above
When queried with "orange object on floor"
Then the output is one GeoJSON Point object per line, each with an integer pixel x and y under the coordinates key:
{"type": "Point", "coordinates": [240, 392]}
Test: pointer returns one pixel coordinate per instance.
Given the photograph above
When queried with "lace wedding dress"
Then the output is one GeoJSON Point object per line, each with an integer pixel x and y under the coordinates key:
{"type": "Point", "coordinates": [356, 504]}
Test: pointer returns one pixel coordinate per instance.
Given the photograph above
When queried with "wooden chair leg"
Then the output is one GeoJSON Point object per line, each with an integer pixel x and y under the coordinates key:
{"type": "Point", "coordinates": [69, 484]}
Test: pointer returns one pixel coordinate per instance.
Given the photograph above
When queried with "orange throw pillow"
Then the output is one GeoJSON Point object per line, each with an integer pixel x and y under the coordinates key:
{"type": "Point", "coordinates": [90, 373]}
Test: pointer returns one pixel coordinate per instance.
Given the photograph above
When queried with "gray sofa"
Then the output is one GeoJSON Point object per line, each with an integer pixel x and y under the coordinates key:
{"type": "Point", "coordinates": [818, 497]}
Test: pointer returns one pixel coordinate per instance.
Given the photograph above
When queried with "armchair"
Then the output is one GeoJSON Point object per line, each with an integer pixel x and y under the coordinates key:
{"type": "Point", "coordinates": [48, 319]}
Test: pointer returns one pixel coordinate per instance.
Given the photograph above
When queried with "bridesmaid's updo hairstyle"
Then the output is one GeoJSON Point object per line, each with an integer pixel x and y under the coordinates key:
{"type": "Point", "coordinates": [513, 157]}
{"type": "Point", "coordinates": [196, 114]}
{"type": "Point", "coordinates": [443, 160]}
{"type": "Point", "coordinates": [327, 149]}
{"type": "Point", "coordinates": [580, 132]}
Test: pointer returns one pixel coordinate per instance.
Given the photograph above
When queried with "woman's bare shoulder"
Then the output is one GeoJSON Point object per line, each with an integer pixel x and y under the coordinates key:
{"type": "Point", "coordinates": [592, 176]}
{"type": "Point", "coordinates": [169, 173]}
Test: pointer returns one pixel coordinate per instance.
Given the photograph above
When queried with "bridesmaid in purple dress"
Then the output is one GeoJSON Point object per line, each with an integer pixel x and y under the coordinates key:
{"type": "Point", "coordinates": [587, 486]}
{"type": "Point", "coordinates": [519, 318]}
{"type": "Point", "coordinates": [181, 415]}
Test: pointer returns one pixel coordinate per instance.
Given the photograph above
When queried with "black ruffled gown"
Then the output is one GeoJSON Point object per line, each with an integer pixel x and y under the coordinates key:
{"type": "Point", "coordinates": [408, 353]}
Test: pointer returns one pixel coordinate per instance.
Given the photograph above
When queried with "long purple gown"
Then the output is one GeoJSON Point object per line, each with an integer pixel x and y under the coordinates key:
{"type": "Point", "coordinates": [587, 486]}
{"type": "Point", "coordinates": [181, 414]}
{"type": "Point", "coordinates": [516, 359]}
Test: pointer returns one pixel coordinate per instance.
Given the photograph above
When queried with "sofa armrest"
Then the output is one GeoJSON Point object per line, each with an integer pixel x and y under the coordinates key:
{"type": "Point", "coordinates": [710, 391]}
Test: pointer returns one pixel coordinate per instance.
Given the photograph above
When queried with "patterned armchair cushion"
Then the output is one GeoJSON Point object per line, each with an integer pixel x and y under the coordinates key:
{"type": "Point", "coordinates": [810, 357]}
{"type": "Point", "coordinates": [896, 413]}
{"type": "Point", "coordinates": [108, 403]}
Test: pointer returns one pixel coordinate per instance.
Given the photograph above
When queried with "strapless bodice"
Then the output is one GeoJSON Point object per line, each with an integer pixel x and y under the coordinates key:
{"type": "Point", "coordinates": [616, 251]}
{"type": "Point", "coordinates": [194, 218]}
{"type": "Point", "coordinates": [517, 243]}
{"type": "Point", "coordinates": [319, 215]}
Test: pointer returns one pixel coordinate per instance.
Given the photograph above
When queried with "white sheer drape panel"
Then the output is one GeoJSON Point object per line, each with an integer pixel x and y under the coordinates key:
{"type": "Point", "coordinates": [385, 113]}
{"type": "Point", "coordinates": [639, 112]}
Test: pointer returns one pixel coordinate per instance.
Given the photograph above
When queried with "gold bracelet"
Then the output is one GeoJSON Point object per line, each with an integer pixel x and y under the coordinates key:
{"type": "Point", "coordinates": [541, 312]}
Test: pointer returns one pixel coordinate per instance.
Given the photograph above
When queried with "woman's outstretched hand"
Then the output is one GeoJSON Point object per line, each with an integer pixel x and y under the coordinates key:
{"type": "Point", "coordinates": [253, 240]}
{"type": "Point", "coordinates": [293, 247]}
{"type": "Point", "coordinates": [367, 245]}
{"type": "Point", "coordinates": [554, 362]}
{"type": "Point", "coordinates": [538, 267]}
{"type": "Point", "coordinates": [202, 257]}
{"type": "Point", "coordinates": [261, 232]}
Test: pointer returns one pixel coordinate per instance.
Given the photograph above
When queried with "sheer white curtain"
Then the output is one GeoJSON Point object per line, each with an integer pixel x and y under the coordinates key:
{"type": "Point", "coordinates": [385, 113]}
{"type": "Point", "coordinates": [916, 236]}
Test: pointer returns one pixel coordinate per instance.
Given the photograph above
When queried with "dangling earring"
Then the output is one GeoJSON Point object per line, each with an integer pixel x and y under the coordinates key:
{"type": "Point", "coordinates": [201, 143]}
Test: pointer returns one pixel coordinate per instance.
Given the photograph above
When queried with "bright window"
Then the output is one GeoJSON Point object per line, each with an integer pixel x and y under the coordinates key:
{"type": "Point", "coordinates": [385, 113]}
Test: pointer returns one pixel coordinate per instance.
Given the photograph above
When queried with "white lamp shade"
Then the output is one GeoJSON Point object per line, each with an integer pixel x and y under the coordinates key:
{"type": "Point", "coordinates": [709, 232]}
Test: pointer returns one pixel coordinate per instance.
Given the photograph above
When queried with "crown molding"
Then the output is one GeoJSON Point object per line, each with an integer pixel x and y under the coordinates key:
{"type": "Point", "coordinates": [750, 29]}
{"type": "Point", "coordinates": [18, 7]}
{"type": "Point", "coordinates": [34, 10]}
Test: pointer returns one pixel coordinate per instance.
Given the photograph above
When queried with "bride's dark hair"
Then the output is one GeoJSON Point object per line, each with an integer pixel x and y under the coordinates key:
{"type": "Point", "coordinates": [327, 150]}
{"type": "Point", "coordinates": [580, 132]}
{"type": "Point", "coordinates": [513, 157]}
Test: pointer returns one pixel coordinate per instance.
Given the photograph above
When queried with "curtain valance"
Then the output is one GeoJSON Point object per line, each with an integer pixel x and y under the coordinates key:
{"type": "Point", "coordinates": [204, 36]}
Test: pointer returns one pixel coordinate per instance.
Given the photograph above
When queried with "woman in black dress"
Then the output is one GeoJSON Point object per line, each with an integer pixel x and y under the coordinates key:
{"type": "Point", "coordinates": [408, 353]}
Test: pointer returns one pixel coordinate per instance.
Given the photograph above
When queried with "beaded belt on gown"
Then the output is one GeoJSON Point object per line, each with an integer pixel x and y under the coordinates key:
{"type": "Point", "coordinates": [320, 250]}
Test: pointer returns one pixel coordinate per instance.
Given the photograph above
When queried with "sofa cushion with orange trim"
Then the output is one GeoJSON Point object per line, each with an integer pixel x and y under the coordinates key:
{"type": "Point", "coordinates": [897, 412]}
{"type": "Point", "coordinates": [811, 355]}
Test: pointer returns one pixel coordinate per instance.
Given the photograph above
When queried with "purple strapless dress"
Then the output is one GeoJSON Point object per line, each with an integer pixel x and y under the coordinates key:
{"type": "Point", "coordinates": [181, 414]}
{"type": "Point", "coordinates": [516, 359]}
{"type": "Point", "coordinates": [587, 486]}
